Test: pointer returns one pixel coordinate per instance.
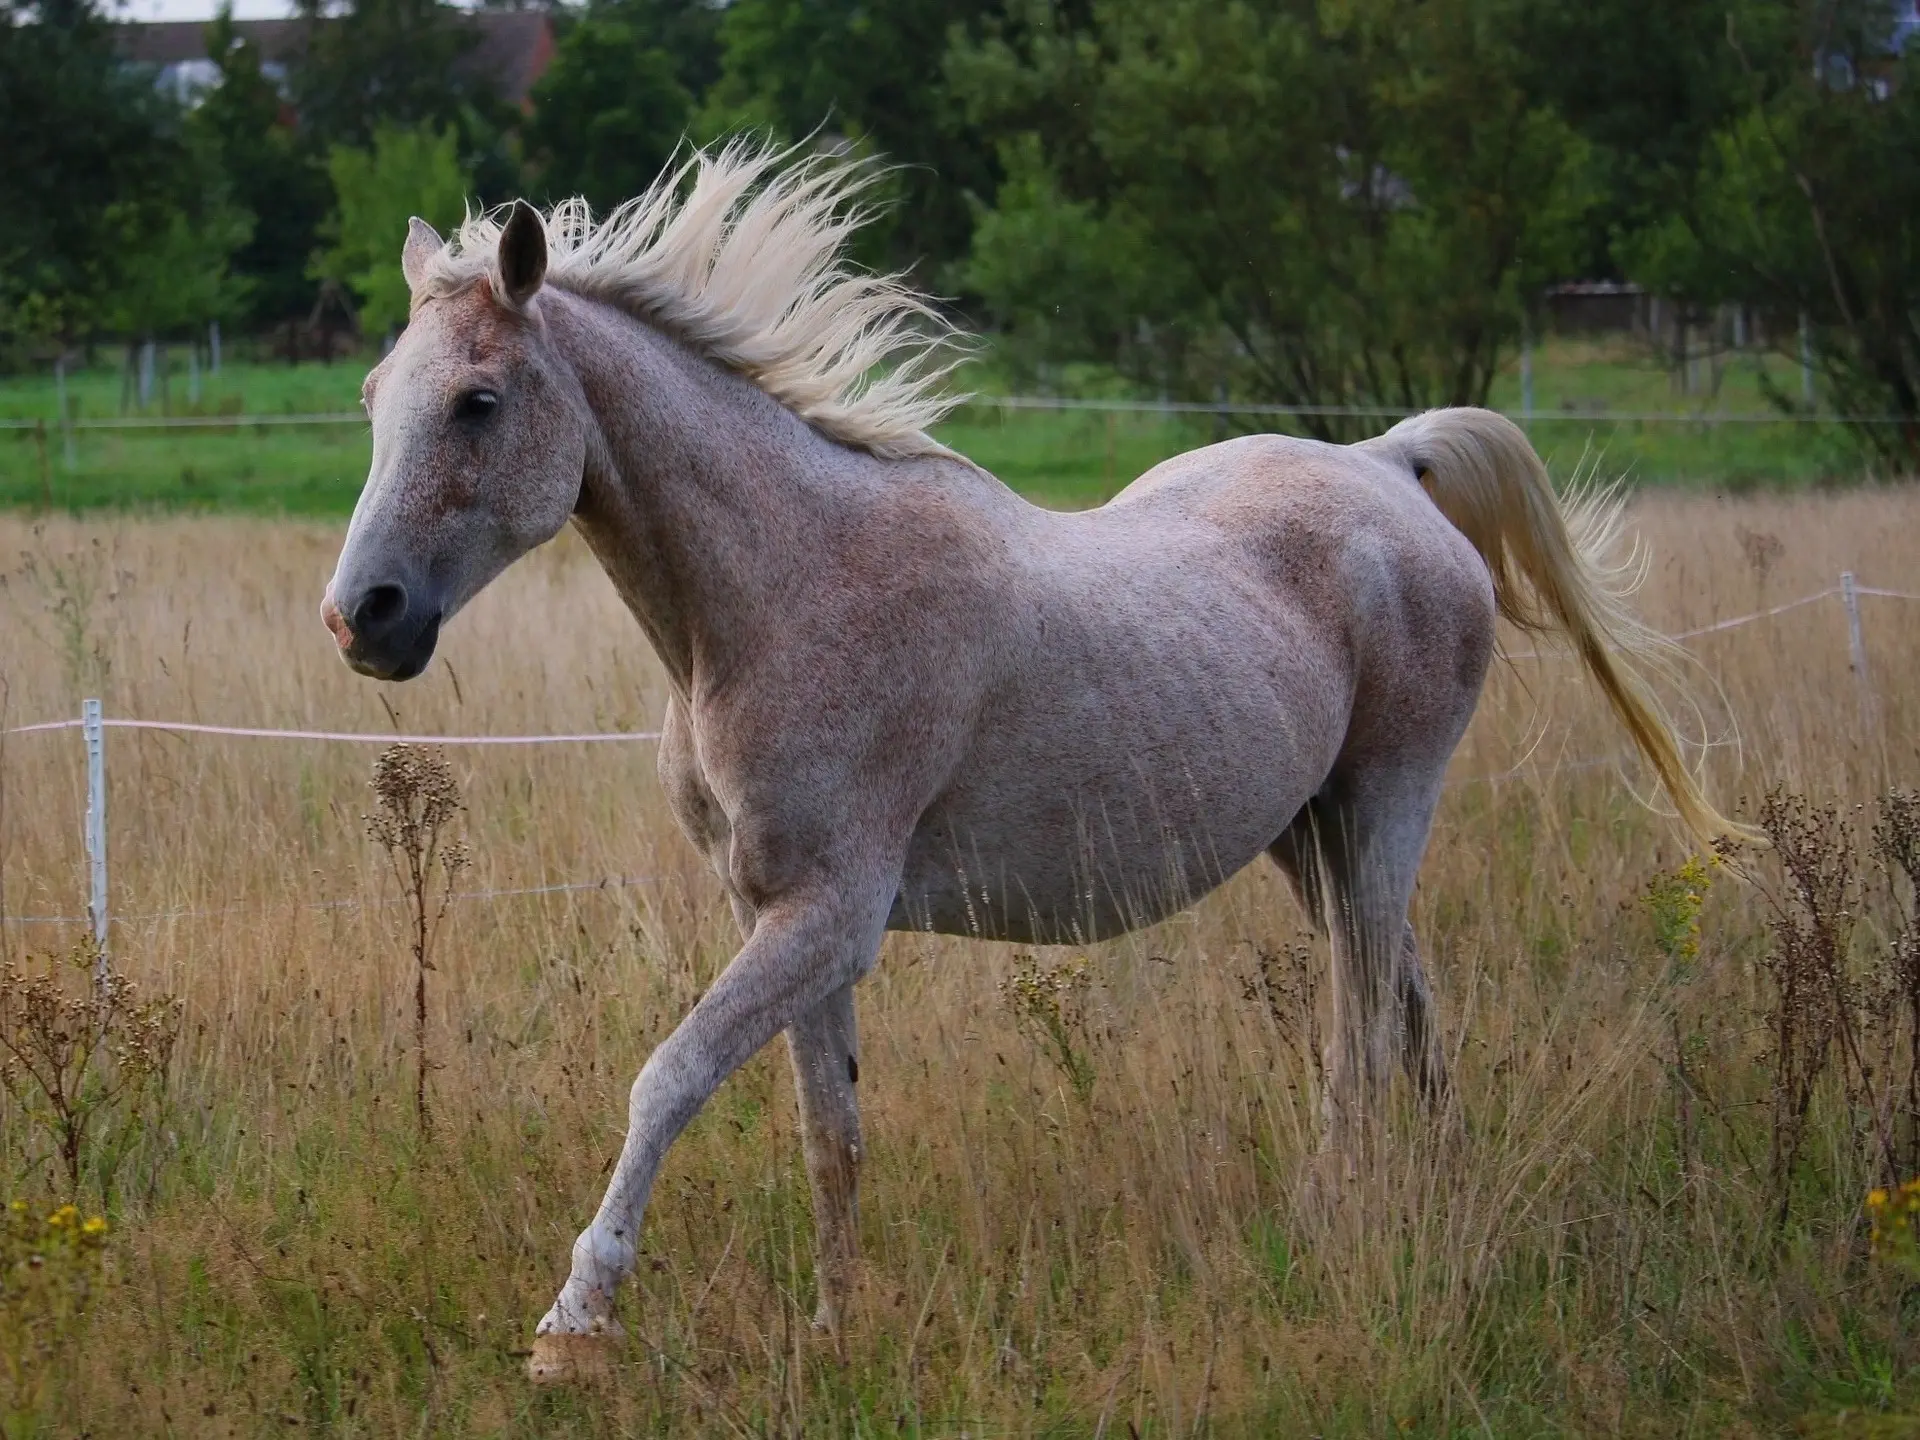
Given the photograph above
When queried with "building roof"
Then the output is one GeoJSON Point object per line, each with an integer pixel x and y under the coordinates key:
{"type": "Point", "coordinates": [514, 46]}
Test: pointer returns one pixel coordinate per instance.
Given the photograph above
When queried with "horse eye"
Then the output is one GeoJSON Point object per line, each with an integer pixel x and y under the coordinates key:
{"type": "Point", "coordinates": [476, 405]}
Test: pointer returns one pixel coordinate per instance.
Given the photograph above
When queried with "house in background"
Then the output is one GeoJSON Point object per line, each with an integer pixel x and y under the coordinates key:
{"type": "Point", "coordinates": [513, 51]}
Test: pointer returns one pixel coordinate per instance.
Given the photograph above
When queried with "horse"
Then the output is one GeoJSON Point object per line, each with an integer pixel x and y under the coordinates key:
{"type": "Point", "coordinates": [902, 696]}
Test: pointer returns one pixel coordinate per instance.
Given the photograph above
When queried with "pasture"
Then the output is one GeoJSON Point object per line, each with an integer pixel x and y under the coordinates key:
{"type": "Point", "coordinates": [1080, 1216]}
{"type": "Point", "coordinates": [1586, 392]}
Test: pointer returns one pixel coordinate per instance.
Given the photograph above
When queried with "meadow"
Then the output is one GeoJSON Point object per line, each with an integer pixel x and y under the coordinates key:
{"type": "Point", "coordinates": [1587, 392]}
{"type": "Point", "coordinates": [1081, 1222]}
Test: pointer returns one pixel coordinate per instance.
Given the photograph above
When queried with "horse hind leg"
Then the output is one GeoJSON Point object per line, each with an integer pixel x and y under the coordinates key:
{"type": "Point", "coordinates": [1352, 854]}
{"type": "Point", "coordinates": [1422, 1054]}
{"type": "Point", "coordinates": [825, 1050]}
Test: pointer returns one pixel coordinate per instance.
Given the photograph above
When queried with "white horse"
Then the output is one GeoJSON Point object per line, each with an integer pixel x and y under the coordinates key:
{"type": "Point", "coordinates": [902, 696]}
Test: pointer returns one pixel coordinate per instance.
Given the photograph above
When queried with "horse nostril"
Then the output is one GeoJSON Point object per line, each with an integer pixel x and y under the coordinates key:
{"type": "Point", "coordinates": [379, 610]}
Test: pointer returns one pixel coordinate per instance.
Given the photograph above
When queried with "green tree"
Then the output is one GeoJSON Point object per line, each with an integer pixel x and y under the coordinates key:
{"type": "Point", "coordinates": [1807, 202]}
{"type": "Point", "coordinates": [404, 173]}
{"type": "Point", "coordinates": [402, 64]}
{"type": "Point", "coordinates": [96, 170]}
{"type": "Point", "coordinates": [174, 272]}
{"type": "Point", "coordinates": [1644, 83]}
{"type": "Point", "coordinates": [688, 30]}
{"type": "Point", "coordinates": [271, 171]}
{"type": "Point", "coordinates": [609, 112]}
{"type": "Point", "coordinates": [1297, 203]}
{"type": "Point", "coordinates": [874, 73]}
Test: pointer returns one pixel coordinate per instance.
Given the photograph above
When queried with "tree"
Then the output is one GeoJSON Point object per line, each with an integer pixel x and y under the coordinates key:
{"type": "Point", "coordinates": [81, 134]}
{"type": "Point", "coordinates": [401, 64]}
{"type": "Point", "coordinates": [1296, 203]}
{"type": "Point", "coordinates": [271, 170]}
{"type": "Point", "coordinates": [609, 112]}
{"type": "Point", "coordinates": [174, 272]}
{"type": "Point", "coordinates": [687, 30]}
{"type": "Point", "coordinates": [1644, 83]}
{"type": "Point", "coordinates": [1807, 204]}
{"type": "Point", "coordinates": [99, 175]}
{"type": "Point", "coordinates": [875, 74]}
{"type": "Point", "coordinates": [405, 173]}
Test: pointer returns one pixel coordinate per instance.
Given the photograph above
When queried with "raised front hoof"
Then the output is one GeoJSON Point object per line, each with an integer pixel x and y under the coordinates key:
{"type": "Point", "coordinates": [575, 1359]}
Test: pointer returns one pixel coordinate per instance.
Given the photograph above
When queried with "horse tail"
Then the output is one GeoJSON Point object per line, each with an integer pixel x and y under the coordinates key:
{"type": "Point", "coordinates": [1553, 565]}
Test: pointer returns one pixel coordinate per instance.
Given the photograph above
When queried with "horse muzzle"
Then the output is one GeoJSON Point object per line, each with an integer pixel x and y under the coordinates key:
{"type": "Point", "coordinates": [383, 632]}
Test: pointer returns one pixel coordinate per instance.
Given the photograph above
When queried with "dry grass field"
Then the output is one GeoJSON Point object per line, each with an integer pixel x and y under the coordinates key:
{"type": "Point", "coordinates": [1596, 1243]}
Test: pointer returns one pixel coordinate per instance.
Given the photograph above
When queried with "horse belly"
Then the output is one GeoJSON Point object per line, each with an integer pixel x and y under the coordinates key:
{"type": "Point", "coordinates": [1071, 829]}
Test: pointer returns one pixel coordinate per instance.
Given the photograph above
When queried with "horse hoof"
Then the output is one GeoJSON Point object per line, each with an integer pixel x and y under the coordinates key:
{"type": "Point", "coordinates": [573, 1359]}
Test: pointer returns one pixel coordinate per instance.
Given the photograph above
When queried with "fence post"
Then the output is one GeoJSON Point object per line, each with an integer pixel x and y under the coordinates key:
{"type": "Point", "coordinates": [66, 417]}
{"type": "Point", "coordinates": [46, 471]}
{"type": "Point", "coordinates": [213, 346]}
{"type": "Point", "coordinates": [1856, 645]}
{"type": "Point", "coordinates": [96, 829]}
{"type": "Point", "coordinates": [1806, 362]}
{"type": "Point", "coordinates": [1526, 372]}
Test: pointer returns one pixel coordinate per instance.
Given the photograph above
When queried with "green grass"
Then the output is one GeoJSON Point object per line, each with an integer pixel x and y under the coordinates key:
{"type": "Point", "coordinates": [253, 389]}
{"type": "Point", "coordinates": [306, 469]}
{"type": "Point", "coordinates": [1061, 458]}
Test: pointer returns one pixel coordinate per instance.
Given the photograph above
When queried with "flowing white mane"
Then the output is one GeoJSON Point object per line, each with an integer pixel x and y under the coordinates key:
{"type": "Point", "coordinates": [747, 263]}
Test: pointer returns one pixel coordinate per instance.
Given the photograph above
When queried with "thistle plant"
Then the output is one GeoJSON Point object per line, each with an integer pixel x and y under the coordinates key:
{"type": "Point", "coordinates": [1812, 911]}
{"type": "Point", "coordinates": [1049, 1004]}
{"type": "Point", "coordinates": [1287, 982]}
{"type": "Point", "coordinates": [1846, 974]}
{"type": "Point", "coordinates": [1894, 992]}
{"type": "Point", "coordinates": [416, 800]}
{"type": "Point", "coordinates": [83, 1057]}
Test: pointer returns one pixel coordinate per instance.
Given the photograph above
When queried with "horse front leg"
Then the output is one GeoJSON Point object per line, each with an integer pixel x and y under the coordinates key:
{"type": "Point", "coordinates": [825, 1049]}
{"type": "Point", "coordinates": [805, 949]}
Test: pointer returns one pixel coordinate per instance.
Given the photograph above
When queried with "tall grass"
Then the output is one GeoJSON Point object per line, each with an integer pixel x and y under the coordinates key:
{"type": "Point", "coordinates": [1573, 1252]}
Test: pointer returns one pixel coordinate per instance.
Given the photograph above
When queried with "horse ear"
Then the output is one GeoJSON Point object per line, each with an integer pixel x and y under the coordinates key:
{"type": "Point", "coordinates": [523, 254]}
{"type": "Point", "coordinates": [423, 243]}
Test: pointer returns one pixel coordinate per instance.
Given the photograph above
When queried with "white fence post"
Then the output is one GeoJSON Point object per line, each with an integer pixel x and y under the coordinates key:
{"type": "Point", "coordinates": [66, 416]}
{"type": "Point", "coordinates": [1526, 372]}
{"type": "Point", "coordinates": [1856, 645]}
{"type": "Point", "coordinates": [96, 829]}
{"type": "Point", "coordinates": [1806, 362]}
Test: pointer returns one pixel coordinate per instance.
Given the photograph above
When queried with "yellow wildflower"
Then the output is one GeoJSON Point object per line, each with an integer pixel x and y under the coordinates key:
{"type": "Point", "coordinates": [1895, 1234]}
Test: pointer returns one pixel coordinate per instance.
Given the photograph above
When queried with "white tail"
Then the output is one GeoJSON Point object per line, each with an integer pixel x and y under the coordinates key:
{"type": "Point", "coordinates": [1550, 559]}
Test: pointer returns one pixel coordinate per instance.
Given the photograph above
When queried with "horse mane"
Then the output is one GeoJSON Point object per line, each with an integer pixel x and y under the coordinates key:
{"type": "Point", "coordinates": [740, 252]}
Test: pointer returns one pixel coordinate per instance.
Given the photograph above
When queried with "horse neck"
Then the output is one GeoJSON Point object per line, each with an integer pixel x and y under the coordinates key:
{"type": "Point", "coordinates": [702, 493]}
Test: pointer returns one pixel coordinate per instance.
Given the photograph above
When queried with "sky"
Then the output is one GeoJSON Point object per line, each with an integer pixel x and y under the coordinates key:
{"type": "Point", "coordinates": [203, 9]}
